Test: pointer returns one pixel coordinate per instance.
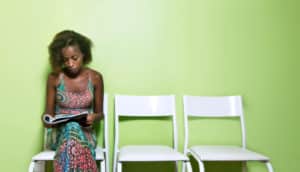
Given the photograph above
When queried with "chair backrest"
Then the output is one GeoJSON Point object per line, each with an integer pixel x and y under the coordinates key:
{"type": "Point", "coordinates": [145, 106]}
{"type": "Point", "coordinates": [213, 106]}
{"type": "Point", "coordinates": [105, 122]}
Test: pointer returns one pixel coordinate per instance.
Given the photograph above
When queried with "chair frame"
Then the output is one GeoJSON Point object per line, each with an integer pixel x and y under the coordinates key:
{"type": "Point", "coordinates": [40, 161]}
{"type": "Point", "coordinates": [122, 112]}
{"type": "Point", "coordinates": [235, 110]}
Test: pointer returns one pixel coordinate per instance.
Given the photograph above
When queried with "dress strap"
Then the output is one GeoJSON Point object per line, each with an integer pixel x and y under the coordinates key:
{"type": "Point", "coordinates": [90, 82]}
{"type": "Point", "coordinates": [91, 89]}
{"type": "Point", "coordinates": [61, 76]}
{"type": "Point", "coordinates": [61, 82]}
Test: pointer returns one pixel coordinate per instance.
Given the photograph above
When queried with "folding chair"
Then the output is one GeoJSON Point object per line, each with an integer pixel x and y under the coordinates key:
{"type": "Point", "coordinates": [141, 107]}
{"type": "Point", "coordinates": [38, 161]}
{"type": "Point", "coordinates": [228, 106]}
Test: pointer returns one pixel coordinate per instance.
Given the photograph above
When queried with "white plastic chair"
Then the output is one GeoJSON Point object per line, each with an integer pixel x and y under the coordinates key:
{"type": "Point", "coordinates": [227, 106]}
{"type": "Point", "coordinates": [146, 106]}
{"type": "Point", "coordinates": [38, 161]}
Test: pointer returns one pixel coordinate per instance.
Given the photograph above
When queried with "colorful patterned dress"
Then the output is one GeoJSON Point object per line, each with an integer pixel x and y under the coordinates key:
{"type": "Point", "coordinates": [74, 144]}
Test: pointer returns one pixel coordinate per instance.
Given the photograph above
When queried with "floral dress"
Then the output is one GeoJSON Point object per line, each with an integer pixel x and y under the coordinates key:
{"type": "Point", "coordinates": [73, 143]}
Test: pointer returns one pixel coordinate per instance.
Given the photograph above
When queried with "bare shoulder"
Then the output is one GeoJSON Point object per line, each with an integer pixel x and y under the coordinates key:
{"type": "Point", "coordinates": [52, 79]}
{"type": "Point", "coordinates": [96, 76]}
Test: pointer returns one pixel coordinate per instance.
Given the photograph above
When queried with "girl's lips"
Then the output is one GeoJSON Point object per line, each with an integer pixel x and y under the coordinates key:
{"type": "Point", "coordinates": [73, 70]}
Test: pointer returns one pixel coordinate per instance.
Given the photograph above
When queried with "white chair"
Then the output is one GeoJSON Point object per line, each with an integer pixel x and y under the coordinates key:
{"type": "Point", "coordinates": [227, 106]}
{"type": "Point", "coordinates": [146, 106]}
{"type": "Point", "coordinates": [38, 161]}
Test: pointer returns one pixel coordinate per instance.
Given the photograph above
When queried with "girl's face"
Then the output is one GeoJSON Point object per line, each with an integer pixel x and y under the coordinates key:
{"type": "Point", "coordinates": [72, 57]}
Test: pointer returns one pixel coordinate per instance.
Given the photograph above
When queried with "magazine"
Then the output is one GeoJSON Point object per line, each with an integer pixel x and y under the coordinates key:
{"type": "Point", "coordinates": [62, 118]}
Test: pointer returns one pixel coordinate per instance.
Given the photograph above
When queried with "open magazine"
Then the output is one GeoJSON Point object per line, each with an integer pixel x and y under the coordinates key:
{"type": "Point", "coordinates": [62, 118]}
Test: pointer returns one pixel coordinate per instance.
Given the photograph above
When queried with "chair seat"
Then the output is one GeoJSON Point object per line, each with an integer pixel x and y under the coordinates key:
{"type": "Point", "coordinates": [150, 153]}
{"type": "Point", "coordinates": [48, 155]}
{"type": "Point", "coordinates": [99, 153]}
{"type": "Point", "coordinates": [226, 153]}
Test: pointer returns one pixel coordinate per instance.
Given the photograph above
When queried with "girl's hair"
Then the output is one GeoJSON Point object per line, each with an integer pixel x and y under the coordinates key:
{"type": "Point", "coordinates": [64, 39]}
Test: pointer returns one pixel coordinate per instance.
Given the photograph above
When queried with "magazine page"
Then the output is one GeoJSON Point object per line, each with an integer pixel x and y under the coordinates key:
{"type": "Point", "coordinates": [61, 118]}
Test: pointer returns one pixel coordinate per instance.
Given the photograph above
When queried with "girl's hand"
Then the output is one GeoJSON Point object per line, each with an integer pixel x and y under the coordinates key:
{"type": "Point", "coordinates": [48, 126]}
{"type": "Point", "coordinates": [91, 118]}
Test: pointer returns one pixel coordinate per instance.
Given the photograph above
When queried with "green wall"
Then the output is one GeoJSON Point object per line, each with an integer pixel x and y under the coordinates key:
{"type": "Point", "coordinates": [197, 47]}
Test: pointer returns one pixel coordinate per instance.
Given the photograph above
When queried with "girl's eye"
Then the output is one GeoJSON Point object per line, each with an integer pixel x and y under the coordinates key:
{"type": "Point", "coordinates": [74, 57]}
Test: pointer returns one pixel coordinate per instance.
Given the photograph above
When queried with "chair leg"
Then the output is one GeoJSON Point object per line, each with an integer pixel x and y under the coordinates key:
{"type": "Point", "coordinates": [244, 166]}
{"type": "Point", "coordinates": [119, 168]}
{"type": "Point", "coordinates": [269, 166]}
{"type": "Point", "coordinates": [200, 163]}
{"type": "Point", "coordinates": [176, 166]}
{"type": "Point", "coordinates": [102, 166]}
{"type": "Point", "coordinates": [37, 166]}
{"type": "Point", "coordinates": [188, 166]}
{"type": "Point", "coordinates": [115, 163]}
{"type": "Point", "coordinates": [107, 163]}
{"type": "Point", "coordinates": [201, 166]}
{"type": "Point", "coordinates": [31, 166]}
{"type": "Point", "coordinates": [183, 167]}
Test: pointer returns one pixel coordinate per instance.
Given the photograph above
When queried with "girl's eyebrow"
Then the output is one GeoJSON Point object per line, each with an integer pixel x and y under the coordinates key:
{"type": "Point", "coordinates": [70, 56]}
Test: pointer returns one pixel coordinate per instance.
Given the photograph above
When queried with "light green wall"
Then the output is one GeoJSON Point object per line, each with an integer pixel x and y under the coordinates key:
{"type": "Point", "coordinates": [204, 47]}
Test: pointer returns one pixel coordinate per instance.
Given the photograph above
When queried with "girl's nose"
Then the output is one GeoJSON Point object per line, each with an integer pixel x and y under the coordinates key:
{"type": "Point", "coordinates": [70, 63]}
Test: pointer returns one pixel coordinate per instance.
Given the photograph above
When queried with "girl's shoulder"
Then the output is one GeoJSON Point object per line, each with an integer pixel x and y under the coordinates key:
{"type": "Point", "coordinates": [95, 75]}
{"type": "Point", "coordinates": [53, 79]}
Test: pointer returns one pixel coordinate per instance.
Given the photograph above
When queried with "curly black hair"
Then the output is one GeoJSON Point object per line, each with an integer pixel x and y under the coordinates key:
{"type": "Point", "coordinates": [68, 38]}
